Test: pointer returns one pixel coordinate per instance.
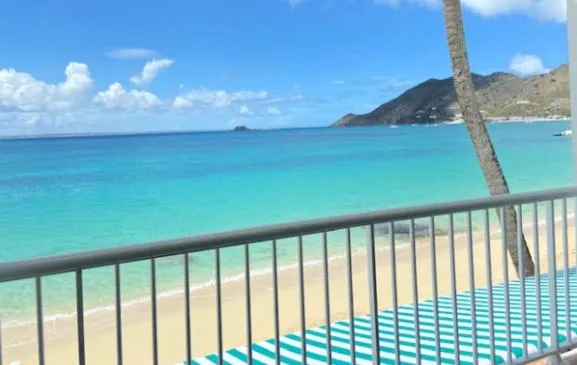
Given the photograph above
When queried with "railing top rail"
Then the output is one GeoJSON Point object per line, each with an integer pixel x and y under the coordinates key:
{"type": "Point", "coordinates": [49, 265]}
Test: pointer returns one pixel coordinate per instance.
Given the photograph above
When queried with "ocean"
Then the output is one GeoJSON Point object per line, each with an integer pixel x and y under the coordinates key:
{"type": "Point", "coordinates": [64, 195]}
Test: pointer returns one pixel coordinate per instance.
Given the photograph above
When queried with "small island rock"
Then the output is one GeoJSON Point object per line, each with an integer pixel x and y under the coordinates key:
{"type": "Point", "coordinates": [240, 128]}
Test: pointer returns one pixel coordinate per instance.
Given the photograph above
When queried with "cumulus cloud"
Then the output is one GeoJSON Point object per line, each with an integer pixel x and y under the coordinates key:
{"type": "Point", "coordinates": [30, 104]}
{"type": "Point", "coordinates": [132, 53]}
{"type": "Point", "coordinates": [150, 70]}
{"type": "Point", "coordinates": [246, 111]}
{"type": "Point", "coordinates": [216, 98]}
{"type": "Point", "coordinates": [118, 98]}
{"type": "Point", "coordinates": [274, 111]}
{"type": "Point", "coordinates": [555, 10]}
{"type": "Point", "coordinates": [525, 65]}
{"type": "Point", "coordinates": [20, 91]}
{"type": "Point", "coordinates": [182, 103]}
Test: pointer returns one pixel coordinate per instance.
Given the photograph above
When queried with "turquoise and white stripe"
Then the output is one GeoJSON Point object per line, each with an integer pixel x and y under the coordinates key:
{"type": "Point", "coordinates": [316, 338]}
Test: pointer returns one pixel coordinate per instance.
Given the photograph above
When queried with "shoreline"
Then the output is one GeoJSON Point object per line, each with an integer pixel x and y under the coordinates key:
{"type": "Point", "coordinates": [136, 321]}
{"type": "Point", "coordinates": [528, 119]}
{"type": "Point", "coordinates": [101, 319]}
{"type": "Point", "coordinates": [356, 250]}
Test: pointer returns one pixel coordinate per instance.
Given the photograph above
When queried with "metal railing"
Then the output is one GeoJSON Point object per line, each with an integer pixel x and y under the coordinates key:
{"type": "Point", "coordinates": [393, 246]}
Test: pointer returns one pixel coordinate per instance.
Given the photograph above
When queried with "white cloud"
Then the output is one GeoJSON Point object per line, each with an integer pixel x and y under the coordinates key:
{"type": "Point", "coordinates": [132, 53]}
{"type": "Point", "coordinates": [273, 111]}
{"type": "Point", "coordinates": [543, 9]}
{"type": "Point", "coordinates": [555, 10]}
{"type": "Point", "coordinates": [525, 65]}
{"type": "Point", "coordinates": [118, 98]}
{"type": "Point", "coordinates": [20, 91]}
{"type": "Point", "coordinates": [216, 98]}
{"type": "Point", "coordinates": [246, 111]}
{"type": "Point", "coordinates": [294, 3]}
{"type": "Point", "coordinates": [28, 104]}
{"type": "Point", "coordinates": [338, 82]}
{"type": "Point", "coordinates": [393, 82]}
{"type": "Point", "coordinates": [181, 103]}
{"type": "Point", "coordinates": [150, 70]}
{"type": "Point", "coordinates": [281, 99]}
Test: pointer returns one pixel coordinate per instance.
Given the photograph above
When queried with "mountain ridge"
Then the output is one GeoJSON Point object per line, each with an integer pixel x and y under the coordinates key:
{"type": "Point", "coordinates": [501, 95]}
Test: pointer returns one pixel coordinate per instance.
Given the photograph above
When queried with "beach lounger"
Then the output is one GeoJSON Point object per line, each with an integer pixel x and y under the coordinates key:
{"type": "Point", "coordinates": [492, 338]}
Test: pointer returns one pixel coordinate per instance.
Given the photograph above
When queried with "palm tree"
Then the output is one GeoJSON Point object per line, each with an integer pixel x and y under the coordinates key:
{"type": "Point", "coordinates": [475, 124]}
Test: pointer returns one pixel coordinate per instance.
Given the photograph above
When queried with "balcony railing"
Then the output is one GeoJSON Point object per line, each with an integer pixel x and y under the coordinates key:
{"type": "Point", "coordinates": [431, 284]}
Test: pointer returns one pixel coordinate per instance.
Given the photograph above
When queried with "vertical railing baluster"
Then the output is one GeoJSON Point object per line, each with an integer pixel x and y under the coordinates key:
{"type": "Point", "coordinates": [373, 299]}
{"type": "Point", "coordinates": [452, 268]}
{"type": "Point", "coordinates": [504, 253]}
{"type": "Point", "coordinates": [489, 270]}
{"type": "Point", "coordinates": [351, 297]}
{"type": "Point", "coordinates": [566, 271]}
{"type": "Point", "coordinates": [302, 300]}
{"type": "Point", "coordinates": [118, 309]}
{"type": "Point", "coordinates": [154, 311]}
{"type": "Point", "coordinates": [575, 232]}
{"type": "Point", "coordinates": [39, 321]}
{"type": "Point", "coordinates": [394, 292]}
{"type": "Point", "coordinates": [1, 345]}
{"type": "Point", "coordinates": [536, 255]}
{"type": "Point", "coordinates": [415, 278]}
{"type": "Point", "coordinates": [327, 296]}
{"type": "Point", "coordinates": [248, 304]}
{"type": "Point", "coordinates": [275, 303]}
{"type": "Point", "coordinates": [187, 319]}
{"type": "Point", "coordinates": [472, 287]}
{"type": "Point", "coordinates": [575, 226]}
{"type": "Point", "coordinates": [521, 250]}
{"type": "Point", "coordinates": [80, 318]}
{"type": "Point", "coordinates": [218, 307]}
{"type": "Point", "coordinates": [433, 254]}
{"type": "Point", "coordinates": [551, 252]}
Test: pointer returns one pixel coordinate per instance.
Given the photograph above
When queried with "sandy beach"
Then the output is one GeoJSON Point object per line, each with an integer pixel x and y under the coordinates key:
{"type": "Point", "coordinates": [61, 345]}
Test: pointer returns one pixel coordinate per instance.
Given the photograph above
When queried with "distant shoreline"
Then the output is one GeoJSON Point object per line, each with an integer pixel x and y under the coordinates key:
{"type": "Point", "coordinates": [134, 134]}
{"type": "Point", "coordinates": [531, 119]}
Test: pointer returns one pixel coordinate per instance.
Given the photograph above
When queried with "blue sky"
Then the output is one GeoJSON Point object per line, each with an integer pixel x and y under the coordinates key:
{"type": "Point", "coordinates": [70, 66]}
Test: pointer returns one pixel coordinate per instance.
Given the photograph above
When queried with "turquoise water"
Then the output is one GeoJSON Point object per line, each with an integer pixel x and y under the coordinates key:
{"type": "Point", "coordinates": [75, 194]}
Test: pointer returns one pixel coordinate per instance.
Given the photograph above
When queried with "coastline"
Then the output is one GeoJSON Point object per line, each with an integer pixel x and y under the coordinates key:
{"type": "Point", "coordinates": [516, 119]}
{"type": "Point", "coordinates": [136, 316]}
{"type": "Point", "coordinates": [176, 289]}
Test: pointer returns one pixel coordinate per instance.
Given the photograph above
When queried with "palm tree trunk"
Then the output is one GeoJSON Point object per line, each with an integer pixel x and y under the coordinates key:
{"type": "Point", "coordinates": [477, 129]}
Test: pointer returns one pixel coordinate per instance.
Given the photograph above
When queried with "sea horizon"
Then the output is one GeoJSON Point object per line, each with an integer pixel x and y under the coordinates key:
{"type": "Point", "coordinates": [491, 120]}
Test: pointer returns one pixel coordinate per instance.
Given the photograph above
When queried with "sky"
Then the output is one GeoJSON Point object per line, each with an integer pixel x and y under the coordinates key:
{"type": "Point", "coordinates": [85, 66]}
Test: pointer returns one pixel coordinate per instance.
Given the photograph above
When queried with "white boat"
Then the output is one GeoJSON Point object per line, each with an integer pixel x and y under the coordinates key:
{"type": "Point", "coordinates": [565, 133]}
